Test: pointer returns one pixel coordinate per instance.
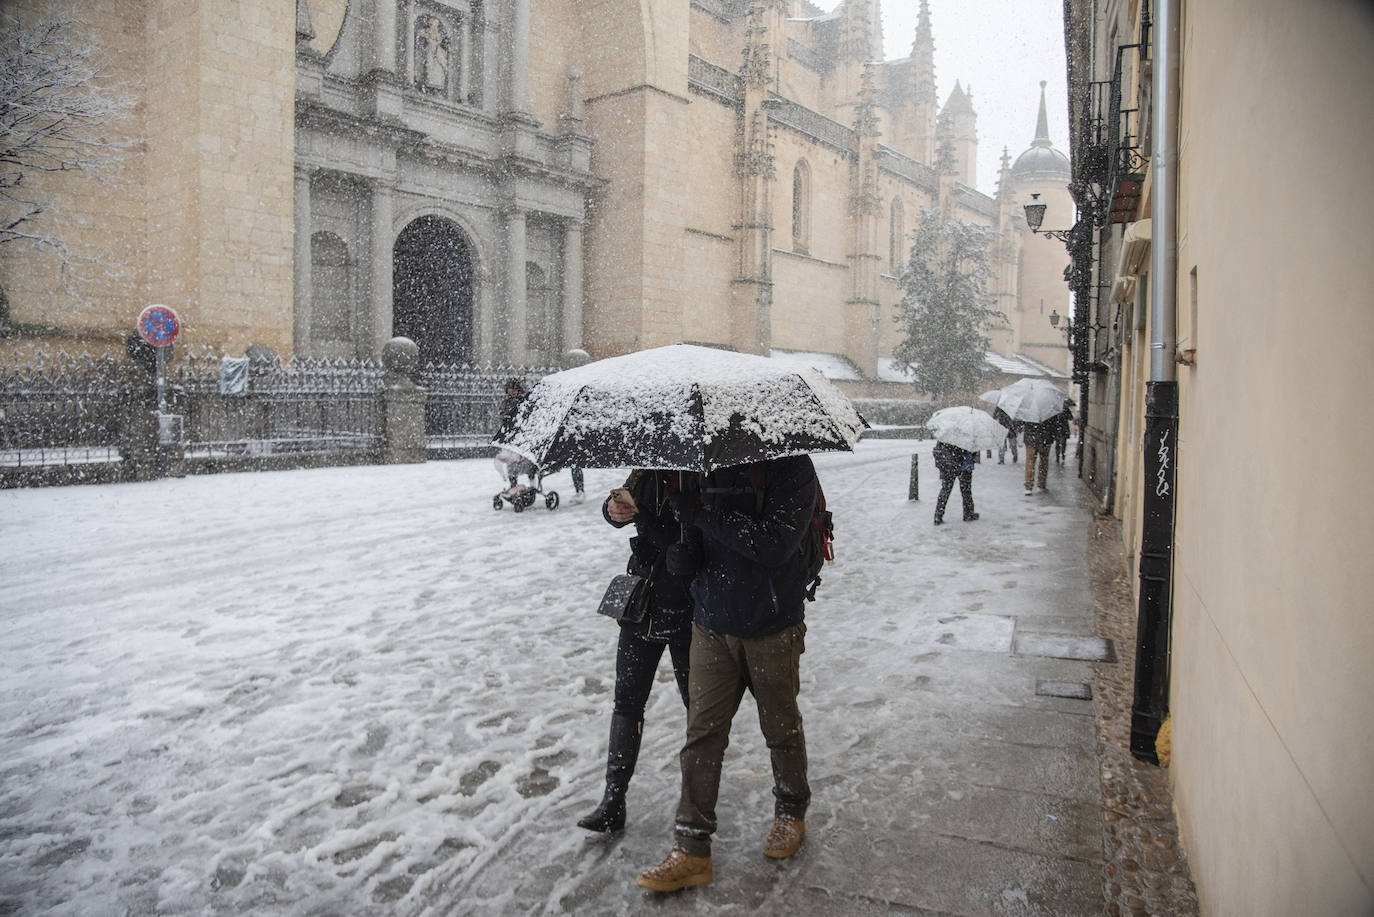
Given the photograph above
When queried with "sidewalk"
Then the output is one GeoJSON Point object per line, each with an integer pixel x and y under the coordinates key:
{"type": "Point", "coordinates": [361, 691]}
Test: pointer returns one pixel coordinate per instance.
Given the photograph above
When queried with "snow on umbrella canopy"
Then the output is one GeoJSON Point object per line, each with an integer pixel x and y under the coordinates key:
{"type": "Point", "coordinates": [1031, 400]}
{"type": "Point", "coordinates": [680, 407]}
{"type": "Point", "coordinates": [968, 428]}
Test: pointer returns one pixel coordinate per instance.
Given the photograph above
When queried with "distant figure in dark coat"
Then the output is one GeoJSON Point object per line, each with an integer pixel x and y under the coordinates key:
{"type": "Point", "coordinates": [1061, 433]}
{"type": "Point", "coordinates": [1013, 431]}
{"type": "Point", "coordinates": [953, 462]}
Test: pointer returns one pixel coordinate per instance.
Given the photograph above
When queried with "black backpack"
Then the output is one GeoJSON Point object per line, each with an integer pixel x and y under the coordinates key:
{"type": "Point", "coordinates": [818, 546]}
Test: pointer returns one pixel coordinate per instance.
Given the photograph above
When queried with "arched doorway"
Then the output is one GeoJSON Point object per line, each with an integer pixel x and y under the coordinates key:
{"type": "Point", "coordinates": [432, 289]}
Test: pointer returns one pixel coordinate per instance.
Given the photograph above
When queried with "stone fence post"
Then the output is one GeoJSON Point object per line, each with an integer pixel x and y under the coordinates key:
{"type": "Point", "coordinates": [403, 404]}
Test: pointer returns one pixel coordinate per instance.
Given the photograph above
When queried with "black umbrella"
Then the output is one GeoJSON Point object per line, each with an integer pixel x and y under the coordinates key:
{"type": "Point", "coordinates": [680, 407]}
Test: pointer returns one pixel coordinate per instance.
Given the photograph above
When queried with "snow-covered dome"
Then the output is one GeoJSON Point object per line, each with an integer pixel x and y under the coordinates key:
{"type": "Point", "coordinates": [1042, 159]}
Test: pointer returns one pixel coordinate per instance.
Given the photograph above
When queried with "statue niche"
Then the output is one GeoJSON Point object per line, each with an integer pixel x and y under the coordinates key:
{"type": "Point", "coordinates": [433, 55]}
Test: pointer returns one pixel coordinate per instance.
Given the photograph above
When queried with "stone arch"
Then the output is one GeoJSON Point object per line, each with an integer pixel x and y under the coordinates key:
{"type": "Point", "coordinates": [434, 282]}
{"type": "Point", "coordinates": [331, 288]}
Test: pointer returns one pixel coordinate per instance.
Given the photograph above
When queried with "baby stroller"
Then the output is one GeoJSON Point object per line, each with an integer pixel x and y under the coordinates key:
{"type": "Point", "coordinates": [511, 466]}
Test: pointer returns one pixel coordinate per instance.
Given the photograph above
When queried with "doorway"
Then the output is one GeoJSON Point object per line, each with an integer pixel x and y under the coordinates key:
{"type": "Point", "coordinates": [432, 290]}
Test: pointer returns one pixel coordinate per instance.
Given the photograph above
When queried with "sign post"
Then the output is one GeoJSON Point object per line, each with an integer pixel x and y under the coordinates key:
{"type": "Point", "coordinates": [159, 326]}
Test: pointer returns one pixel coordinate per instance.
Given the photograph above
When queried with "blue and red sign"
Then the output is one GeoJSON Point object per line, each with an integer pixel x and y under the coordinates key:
{"type": "Point", "coordinates": [158, 325]}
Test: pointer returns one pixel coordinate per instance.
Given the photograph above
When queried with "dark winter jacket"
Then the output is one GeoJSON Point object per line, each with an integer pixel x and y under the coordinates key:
{"type": "Point", "coordinates": [1039, 434]}
{"type": "Point", "coordinates": [752, 579]}
{"type": "Point", "coordinates": [950, 460]}
{"type": "Point", "coordinates": [510, 405]}
{"type": "Point", "coordinates": [670, 604]}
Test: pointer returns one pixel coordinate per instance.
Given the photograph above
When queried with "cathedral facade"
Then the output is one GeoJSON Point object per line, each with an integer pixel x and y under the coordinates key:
{"type": "Point", "coordinates": [508, 180]}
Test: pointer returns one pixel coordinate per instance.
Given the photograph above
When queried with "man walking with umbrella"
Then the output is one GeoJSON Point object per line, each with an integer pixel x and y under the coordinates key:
{"type": "Point", "coordinates": [954, 463]}
{"type": "Point", "coordinates": [745, 533]}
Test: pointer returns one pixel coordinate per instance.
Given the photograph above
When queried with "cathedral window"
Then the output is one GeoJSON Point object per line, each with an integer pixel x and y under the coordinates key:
{"type": "Point", "coordinates": [896, 253]}
{"type": "Point", "coordinates": [801, 208]}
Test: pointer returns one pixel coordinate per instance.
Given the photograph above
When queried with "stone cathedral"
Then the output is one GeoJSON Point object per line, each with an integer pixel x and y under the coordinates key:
{"type": "Point", "coordinates": [506, 180]}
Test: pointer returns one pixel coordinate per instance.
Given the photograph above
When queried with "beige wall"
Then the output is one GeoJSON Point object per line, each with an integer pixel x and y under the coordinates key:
{"type": "Point", "coordinates": [102, 223]}
{"type": "Point", "coordinates": [1272, 680]}
{"type": "Point", "coordinates": [200, 218]}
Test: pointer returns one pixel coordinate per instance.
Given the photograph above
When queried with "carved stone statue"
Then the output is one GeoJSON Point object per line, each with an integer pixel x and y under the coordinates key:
{"type": "Point", "coordinates": [431, 55]}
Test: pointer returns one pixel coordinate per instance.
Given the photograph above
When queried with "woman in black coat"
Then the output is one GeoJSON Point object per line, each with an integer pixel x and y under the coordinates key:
{"type": "Point", "coordinates": [668, 623]}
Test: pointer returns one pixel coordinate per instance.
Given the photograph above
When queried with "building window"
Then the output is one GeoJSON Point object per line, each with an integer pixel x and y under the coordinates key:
{"type": "Point", "coordinates": [896, 255]}
{"type": "Point", "coordinates": [801, 208]}
{"type": "Point", "coordinates": [330, 299]}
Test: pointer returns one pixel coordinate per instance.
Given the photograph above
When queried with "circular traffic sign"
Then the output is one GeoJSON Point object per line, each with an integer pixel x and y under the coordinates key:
{"type": "Point", "coordinates": [158, 325]}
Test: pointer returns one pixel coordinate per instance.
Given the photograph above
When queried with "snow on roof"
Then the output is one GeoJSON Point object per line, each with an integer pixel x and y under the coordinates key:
{"type": "Point", "coordinates": [1020, 365]}
{"type": "Point", "coordinates": [830, 365]}
{"type": "Point", "coordinates": [890, 371]}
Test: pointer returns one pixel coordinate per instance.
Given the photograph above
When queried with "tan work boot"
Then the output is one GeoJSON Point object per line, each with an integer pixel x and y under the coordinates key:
{"type": "Point", "coordinates": [785, 837]}
{"type": "Point", "coordinates": [677, 871]}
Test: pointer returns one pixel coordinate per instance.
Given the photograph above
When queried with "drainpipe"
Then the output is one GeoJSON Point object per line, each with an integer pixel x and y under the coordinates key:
{"type": "Point", "coordinates": [1151, 703]}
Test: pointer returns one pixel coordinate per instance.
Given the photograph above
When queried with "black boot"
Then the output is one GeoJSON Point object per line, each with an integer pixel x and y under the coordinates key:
{"type": "Point", "coordinates": [620, 766]}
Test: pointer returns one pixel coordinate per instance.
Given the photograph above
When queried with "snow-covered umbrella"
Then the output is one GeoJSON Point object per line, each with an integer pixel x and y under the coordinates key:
{"type": "Point", "coordinates": [991, 396]}
{"type": "Point", "coordinates": [1031, 400]}
{"type": "Point", "coordinates": [968, 428]}
{"type": "Point", "coordinates": [680, 407]}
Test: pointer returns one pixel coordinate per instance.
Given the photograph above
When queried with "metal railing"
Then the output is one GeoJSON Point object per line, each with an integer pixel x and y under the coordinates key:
{"type": "Point", "coordinates": [61, 409]}
{"type": "Point", "coordinates": [298, 408]}
{"type": "Point", "coordinates": [67, 418]}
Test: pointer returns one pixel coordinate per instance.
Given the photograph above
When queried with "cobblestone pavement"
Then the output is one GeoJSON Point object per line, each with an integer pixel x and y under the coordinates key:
{"type": "Point", "coordinates": [1145, 870]}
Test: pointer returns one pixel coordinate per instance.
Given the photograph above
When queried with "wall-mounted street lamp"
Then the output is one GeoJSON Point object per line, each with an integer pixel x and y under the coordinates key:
{"type": "Point", "coordinates": [1035, 215]}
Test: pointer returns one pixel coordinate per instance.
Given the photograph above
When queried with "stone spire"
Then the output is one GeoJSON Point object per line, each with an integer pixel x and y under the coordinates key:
{"type": "Point", "coordinates": [1042, 122]}
{"type": "Point", "coordinates": [923, 57]}
{"type": "Point", "coordinates": [1004, 176]}
{"type": "Point", "coordinates": [861, 36]}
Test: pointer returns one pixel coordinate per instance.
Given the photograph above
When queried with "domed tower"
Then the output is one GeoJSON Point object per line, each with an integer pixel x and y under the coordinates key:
{"type": "Point", "coordinates": [1045, 171]}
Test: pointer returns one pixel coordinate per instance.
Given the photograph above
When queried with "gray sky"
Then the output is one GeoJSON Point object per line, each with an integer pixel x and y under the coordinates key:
{"type": "Point", "coordinates": [1003, 49]}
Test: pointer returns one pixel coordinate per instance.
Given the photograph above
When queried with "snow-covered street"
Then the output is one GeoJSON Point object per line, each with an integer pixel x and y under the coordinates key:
{"type": "Point", "coordinates": [361, 691]}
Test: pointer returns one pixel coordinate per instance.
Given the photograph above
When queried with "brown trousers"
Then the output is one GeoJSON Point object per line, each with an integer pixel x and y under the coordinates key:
{"type": "Point", "coordinates": [721, 668]}
{"type": "Point", "coordinates": [1037, 455]}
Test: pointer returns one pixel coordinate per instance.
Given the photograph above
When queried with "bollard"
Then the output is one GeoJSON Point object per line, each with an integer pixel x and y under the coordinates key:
{"type": "Point", "coordinates": [913, 488]}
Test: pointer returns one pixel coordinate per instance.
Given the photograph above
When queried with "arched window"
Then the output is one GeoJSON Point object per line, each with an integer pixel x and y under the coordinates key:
{"type": "Point", "coordinates": [331, 305]}
{"type": "Point", "coordinates": [801, 208]}
{"type": "Point", "coordinates": [897, 250]}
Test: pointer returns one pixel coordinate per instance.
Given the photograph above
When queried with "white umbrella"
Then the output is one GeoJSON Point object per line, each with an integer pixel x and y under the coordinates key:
{"type": "Point", "coordinates": [991, 396]}
{"type": "Point", "coordinates": [682, 407]}
{"type": "Point", "coordinates": [968, 428]}
{"type": "Point", "coordinates": [1031, 400]}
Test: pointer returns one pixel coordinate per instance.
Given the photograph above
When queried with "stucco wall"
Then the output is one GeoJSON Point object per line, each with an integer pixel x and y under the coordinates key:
{"type": "Point", "coordinates": [1273, 636]}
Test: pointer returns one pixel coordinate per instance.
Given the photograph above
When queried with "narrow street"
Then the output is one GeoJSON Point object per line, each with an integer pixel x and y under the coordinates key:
{"type": "Point", "coordinates": [361, 691]}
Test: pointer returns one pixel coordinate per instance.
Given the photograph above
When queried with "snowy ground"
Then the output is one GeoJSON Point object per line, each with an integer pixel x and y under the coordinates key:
{"type": "Point", "coordinates": [362, 691]}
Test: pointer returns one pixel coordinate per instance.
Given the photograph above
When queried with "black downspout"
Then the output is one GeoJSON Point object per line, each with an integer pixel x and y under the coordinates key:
{"type": "Point", "coordinates": [1151, 702]}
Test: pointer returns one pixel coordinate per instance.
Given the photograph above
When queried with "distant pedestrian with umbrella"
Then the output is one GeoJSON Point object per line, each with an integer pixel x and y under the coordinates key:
{"type": "Point", "coordinates": [1008, 441]}
{"type": "Point", "coordinates": [1034, 403]}
{"type": "Point", "coordinates": [960, 434]}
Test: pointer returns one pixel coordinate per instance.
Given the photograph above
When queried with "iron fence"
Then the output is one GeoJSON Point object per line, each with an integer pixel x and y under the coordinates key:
{"type": "Point", "coordinates": [61, 409]}
{"type": "Point", "coordinates": [68, 418]}
{"type": "Point", "coordinates": [463, 402]}
{"type": "Point", "coordinates": [295, 408]}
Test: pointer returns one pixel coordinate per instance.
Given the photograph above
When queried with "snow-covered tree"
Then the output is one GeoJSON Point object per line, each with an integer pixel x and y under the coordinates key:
{"type": "Point", "coordinates": [57, 114]}
{"type": "Point", "coordinates": [945, 306]}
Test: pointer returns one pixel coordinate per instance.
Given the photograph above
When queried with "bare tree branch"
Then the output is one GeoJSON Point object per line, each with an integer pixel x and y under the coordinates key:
{"type": "Point", "coordinates": [57, 111]}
